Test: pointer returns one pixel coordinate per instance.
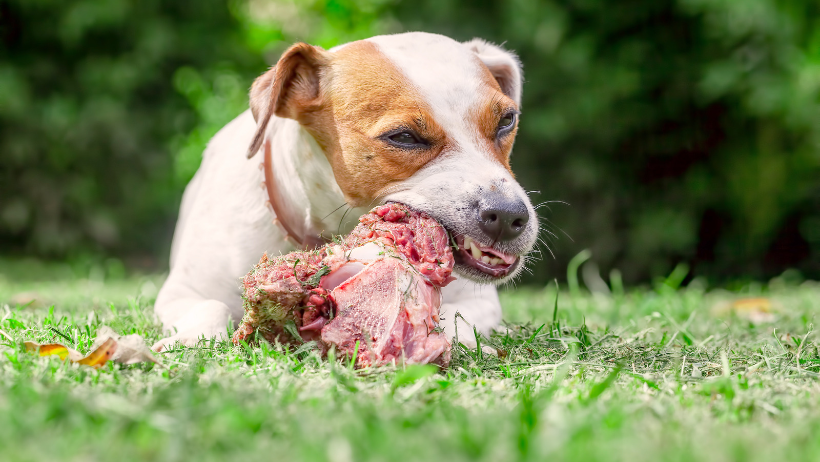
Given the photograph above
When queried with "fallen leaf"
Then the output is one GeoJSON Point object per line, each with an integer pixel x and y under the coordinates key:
{"type": "Point", "coordinates": [131, 349]}
{"type": "Point", "coordinates": [51, 349]}
{"type": "Point", "coordinates": [754, 309]}
{"type": "Point", "coordinates": [97, 358]}
{"type": "Point", "coordinates": [127, 349]}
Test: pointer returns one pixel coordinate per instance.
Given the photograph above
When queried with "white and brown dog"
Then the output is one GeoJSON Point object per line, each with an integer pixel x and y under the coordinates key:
{"type": "Point", "coordinates": [414, 118]}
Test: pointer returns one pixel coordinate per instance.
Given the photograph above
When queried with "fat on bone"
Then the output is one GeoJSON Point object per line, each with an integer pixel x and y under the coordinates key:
{"type": "Point", "coordinates": [375, 295]}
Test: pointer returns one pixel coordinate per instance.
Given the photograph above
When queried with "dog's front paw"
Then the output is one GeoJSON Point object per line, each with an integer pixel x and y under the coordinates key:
{"type": "Point", "coordinates": [203, 320]}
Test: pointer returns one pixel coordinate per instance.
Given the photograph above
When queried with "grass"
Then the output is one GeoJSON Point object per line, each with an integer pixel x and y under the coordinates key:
{"type": "Point", "coordinates": [650, 374]}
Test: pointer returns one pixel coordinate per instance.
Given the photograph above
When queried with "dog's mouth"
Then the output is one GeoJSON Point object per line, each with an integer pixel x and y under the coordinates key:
{"type": "Point", "coordinates": [480, 262]}
{"type": "Point", "coordinates": [484, 259]}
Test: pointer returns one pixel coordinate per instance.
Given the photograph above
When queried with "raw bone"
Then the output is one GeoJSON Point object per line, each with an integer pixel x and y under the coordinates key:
{"type": "Point", "coordinates": [379, 288]}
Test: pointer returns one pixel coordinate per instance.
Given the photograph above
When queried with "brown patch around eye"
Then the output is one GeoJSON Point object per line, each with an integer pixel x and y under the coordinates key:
{"type": "Point", "coordinates": [487, 117]}
{"type": "Point", "coordinates": [366, 96]}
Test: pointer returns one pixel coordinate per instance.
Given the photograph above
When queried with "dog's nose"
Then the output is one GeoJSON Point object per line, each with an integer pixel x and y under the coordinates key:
{"type": "Point", "coordinates": [503, 219]}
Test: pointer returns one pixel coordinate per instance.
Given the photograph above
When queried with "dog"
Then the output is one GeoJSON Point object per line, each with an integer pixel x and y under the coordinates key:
{"type": "Point", "coordinates": [415, 118]}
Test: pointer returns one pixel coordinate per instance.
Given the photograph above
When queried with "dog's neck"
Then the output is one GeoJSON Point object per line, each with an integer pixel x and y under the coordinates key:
{"type": "Point", "coordinates": [310, 200]}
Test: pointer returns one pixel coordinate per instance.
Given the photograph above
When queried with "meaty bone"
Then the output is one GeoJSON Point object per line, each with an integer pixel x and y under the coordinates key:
{"type": "Point", "coordinates": [375, 294]}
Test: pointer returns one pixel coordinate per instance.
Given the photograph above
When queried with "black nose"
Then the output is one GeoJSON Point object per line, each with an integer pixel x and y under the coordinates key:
{"type": "Point", "coordinates": [502, 219]}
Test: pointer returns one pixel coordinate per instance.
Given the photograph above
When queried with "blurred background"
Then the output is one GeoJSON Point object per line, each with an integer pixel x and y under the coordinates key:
{"type": "Point", "coordinates": [667, 131]}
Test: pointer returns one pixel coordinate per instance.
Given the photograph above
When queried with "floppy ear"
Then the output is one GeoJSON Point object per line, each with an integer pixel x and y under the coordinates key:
{"type": "Point", "coordinates": [288, 89]}
{"type": "Point", "coordinates": [503, 65]}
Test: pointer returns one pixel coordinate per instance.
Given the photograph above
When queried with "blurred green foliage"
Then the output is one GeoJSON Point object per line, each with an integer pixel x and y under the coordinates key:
{"type": "Point", "coordinates": [89, 117]}
{"type": "Point", "coordinates": [678, 130]}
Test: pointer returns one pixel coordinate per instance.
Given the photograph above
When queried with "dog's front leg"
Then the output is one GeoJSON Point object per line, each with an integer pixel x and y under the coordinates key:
{"type": "Point", "coordinates": [467, 304]}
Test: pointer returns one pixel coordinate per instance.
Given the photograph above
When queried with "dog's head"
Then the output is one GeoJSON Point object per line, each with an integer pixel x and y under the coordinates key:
{"type": "Point", "coordinates": [419, 119]}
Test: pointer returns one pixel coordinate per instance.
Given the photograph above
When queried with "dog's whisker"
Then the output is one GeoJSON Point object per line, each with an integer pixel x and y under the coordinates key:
{"type": "Point", "coordinates": [334, 211]}
{"type": "Point", "coordinates": [548, 232]}
{"type": "Point", "coordinates": [342, 220]}
{"type": "Point", "coordinates": [549, 249]}
{"type": "Point", "coordinates": [565, 234]}
{"type": "Point", "coordinates": [546, 224]}
{"type": "Point", "coordinates": [540, 241]}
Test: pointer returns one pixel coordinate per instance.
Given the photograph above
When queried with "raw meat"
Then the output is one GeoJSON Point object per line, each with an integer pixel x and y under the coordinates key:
{"type": "Point", "coordinates": [376, 293]}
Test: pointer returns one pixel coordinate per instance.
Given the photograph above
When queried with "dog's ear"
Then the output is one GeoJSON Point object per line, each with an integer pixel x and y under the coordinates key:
{"type": "Point", "coordinates": [503, 65]}
{"type": "Point", "coordinates": [289, 89]}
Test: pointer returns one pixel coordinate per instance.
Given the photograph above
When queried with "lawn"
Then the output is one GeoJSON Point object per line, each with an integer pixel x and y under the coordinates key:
{"type": "Point", "coordinates": [649, 374]}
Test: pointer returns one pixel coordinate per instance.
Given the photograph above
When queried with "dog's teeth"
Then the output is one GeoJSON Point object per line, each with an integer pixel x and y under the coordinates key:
{"type": "Point", "coordinates": [485, 259]}
{"type": "Point", "coordinates": [495, 261]}
{"type": "Point", "coordinates": [467, 242]}
{"type": "Point", "coordinates": [476, 251]}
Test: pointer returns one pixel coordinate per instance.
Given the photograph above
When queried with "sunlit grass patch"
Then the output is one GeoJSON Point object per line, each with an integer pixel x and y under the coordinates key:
{"type": "Point", "coordinates": [651, 374]}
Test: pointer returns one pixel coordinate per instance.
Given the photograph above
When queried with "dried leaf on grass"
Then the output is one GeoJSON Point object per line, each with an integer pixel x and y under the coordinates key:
{"type": "Point", "coordinates": [100, 355]}
{"type": "Point", "coordinates": [127, 349]}
{"type": "Point", "coordinates": [131, 349]}
{"type": "Point", "coordinates": [97, 358]}
{"type": "Point", "coordinates": [754, 309]}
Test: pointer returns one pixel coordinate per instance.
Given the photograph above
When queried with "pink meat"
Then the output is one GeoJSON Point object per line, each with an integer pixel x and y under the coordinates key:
{"type": "Point", "coordinates": [388, 302]}
{"type": "Point", "coordinates": [418, 237]}
{"type": "Point", "coordinates": [393, 315]}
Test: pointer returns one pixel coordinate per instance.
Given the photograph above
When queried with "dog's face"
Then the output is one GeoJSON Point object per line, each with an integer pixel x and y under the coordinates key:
{"type": "Point", "coordinates": [418, 119]}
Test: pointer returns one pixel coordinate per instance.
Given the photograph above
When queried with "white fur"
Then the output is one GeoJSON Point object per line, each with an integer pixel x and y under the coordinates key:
{"type": "Point", "coordinates": [504, 65]}
{"type": "Point", "coordinates": [224, 225]}
{"type": "Point", "coordinates": [449, 78]}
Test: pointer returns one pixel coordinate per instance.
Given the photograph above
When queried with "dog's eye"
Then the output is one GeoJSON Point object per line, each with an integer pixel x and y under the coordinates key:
{"type": "Point", "coordinates": [405, 139]}
{"type": "Point", "coordinates": [506, 122]}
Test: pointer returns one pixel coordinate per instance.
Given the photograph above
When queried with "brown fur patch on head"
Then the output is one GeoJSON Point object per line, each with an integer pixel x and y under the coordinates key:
{"type": "Point", "coordinates": [365, 97]}
{"type": "Point", "coordinates": [350, 99]}
{"type": "Point", "coordinates": [289, 89]}
{"type": "Point", "coordinates": [486, 116]}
